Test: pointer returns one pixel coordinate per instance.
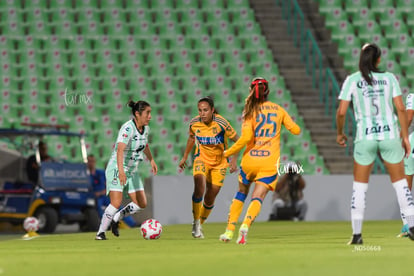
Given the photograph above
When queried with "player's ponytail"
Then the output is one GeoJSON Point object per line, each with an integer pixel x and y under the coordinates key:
{"type": "Point", "coordinates": [368, 61]}
{"type": "Point", "coordinates": [259, 90]}
{"type": "Point", "coordinates": [137, 106]}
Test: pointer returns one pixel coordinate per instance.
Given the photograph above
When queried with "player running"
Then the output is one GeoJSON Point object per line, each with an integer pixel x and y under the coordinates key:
{"type": "Point", "coordinates": [262, 122]}
{"type": "Point", "coordinates": [209, 132]}
{"type": "Point", "coordinates": [122, 170]}
{"type": "Point", "coordinates": [373, 94]}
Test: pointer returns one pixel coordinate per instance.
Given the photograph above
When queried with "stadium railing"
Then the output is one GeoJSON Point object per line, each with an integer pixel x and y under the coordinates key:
{"type": "Point", "coordinates": [322, 77]}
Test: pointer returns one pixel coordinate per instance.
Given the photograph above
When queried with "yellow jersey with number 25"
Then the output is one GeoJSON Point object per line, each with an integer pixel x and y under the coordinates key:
{"type": "Point", "coordinates": [261, 135]}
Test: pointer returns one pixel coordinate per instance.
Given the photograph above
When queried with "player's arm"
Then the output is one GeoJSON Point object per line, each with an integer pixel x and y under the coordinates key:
{"type": "Point", "coordinates": [148, 154]}
{"type": "Point", "coordinates": [233, 161]}
{"type": "Point", "coordinates": [188, 149]}
{"type": "Point", "coordinates": [410, 115]}
{"type": "Point", "coordinates": [402, 118]}
{"type": "Point", "coordinates": [247, 135]}
{"type": "Point", "coordinates": [290, 124]}
{"type": "Point", "coordinates": [120, 162]}
{"type": "Point", "coordinates": [340, 122]}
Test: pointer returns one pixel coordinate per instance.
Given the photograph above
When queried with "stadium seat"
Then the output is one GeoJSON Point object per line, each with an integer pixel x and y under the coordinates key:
{"type": "Point", "coordinates": [329, 5]}
{"type": "Point", "coordinates": [367, 31]}
{"type": "Point", "coordinates": [335, 15]}
{"type": "Point", "coordinates": [341, 29]}
{"type": "Point", "coordinates": [395, 29]}
{"type": "Point", "coordinates": [359, 14]}
{"type": "Point", "coordinates": [379, 6]}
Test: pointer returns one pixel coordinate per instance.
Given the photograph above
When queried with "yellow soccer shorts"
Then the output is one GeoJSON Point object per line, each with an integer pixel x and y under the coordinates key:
{"type": "Point", "coordinates": [265, 176]}
{"type": "Point", "coordinates": [214, 174]}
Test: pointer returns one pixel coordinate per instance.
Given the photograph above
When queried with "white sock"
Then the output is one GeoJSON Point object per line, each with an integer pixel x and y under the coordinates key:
{"type": "Point", "coordinates": [359, 191]}
{"type": "Point", "coordinates": [403, 218]}
{"type": "Point", "coordinates": [107, 218]}
{"type": "Point", "coordinates": [130, 209]}
{"type": "Point", "coordinates": [405, 200]}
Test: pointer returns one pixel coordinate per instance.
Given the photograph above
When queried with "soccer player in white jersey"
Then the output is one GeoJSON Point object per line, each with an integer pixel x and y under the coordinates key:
{"type": "Point", "coordinates": [408, 162]}
{"type": "Point", "coordinates": [122, 170]}
{"type": "Point", "coordinates": [374, 95]}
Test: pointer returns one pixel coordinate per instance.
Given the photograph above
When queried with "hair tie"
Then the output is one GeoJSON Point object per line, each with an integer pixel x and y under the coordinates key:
{"type": "Point", "coordinates": [256, 83]}
{"type": "Point", "coordinates": [365, 46]}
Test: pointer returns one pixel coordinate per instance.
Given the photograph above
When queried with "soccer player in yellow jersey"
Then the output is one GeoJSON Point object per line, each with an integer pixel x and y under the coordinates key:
{"type": "Point", "coordinates": [209, 132]}
{"type": "Point", "coordinates": [262, 121]}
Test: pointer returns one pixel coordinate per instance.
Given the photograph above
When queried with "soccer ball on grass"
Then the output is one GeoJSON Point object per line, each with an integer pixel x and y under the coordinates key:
{"type": "Point", "coordinates": [151, 229]}
{"type": "Point", "coordinates": [31, 224]}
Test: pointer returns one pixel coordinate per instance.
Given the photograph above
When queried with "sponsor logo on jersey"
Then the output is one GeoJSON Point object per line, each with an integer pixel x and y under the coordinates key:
{"type": "Point", "coordinates": [377, 129]}
{"type": "Point", "coordinates": [364, 83]}
{"type": "Point", "coordinates": [259, 153]}
{"type": "Point", "coordinates": [217, 140]}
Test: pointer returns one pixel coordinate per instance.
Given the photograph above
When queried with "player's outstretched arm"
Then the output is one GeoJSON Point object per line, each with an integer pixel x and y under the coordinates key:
{"type": "Point", "coordinates": [148, 154]}
{"type": "Point", "coordinates": [188, 149]}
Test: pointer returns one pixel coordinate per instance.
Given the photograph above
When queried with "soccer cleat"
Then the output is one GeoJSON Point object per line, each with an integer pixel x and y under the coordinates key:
{"type": "Point", "coordinates": [115, 228]}
{"type": "Point", "coordinates": [227, 236]}
{"type": "Point", "coordinates": [100, 237]}
{"type": "Point", "coordinates": [197, 231]}
{"type": "Point", "coordinates": [404, 231]}
{"type": "Point", "coordinates": [356, 239]}
{"type": "Point", "coordinates": [242, 239]}
{"type": "Point", "coordinates": [411, 233]}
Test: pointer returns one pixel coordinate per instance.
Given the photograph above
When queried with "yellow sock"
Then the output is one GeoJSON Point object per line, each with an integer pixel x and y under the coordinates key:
{"type": "Point", "coordinates": [236, 208]}
{"type": "Point", "coordinates": [253, 211]}
{"type": "Point", "coordinates": [205, 212]}
{"type": "Point", "coordinates": [197, 202]}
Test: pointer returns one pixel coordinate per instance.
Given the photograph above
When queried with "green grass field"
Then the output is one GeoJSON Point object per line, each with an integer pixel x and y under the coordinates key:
{"type": "Point", "coordinates": [282, 248]}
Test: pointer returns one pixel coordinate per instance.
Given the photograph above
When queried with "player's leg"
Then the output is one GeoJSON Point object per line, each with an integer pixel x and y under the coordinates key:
{"type": "Point", "coordinates": [258, 195]}
{"type": "Point", "coordinates": [365, 153]}
{"type": "Point", "coordinates": [114, 189]}
{"type": "Point", "coordinates": [111, 209]}
{"type": "Point", "coordinates": [236, 206]}
{"type": "Point", "coordinates": [208, 203]}
{"type": "Point", "coordinates": [358, 200]}
{"type": "Point", "coordinates": [214, 182]}
{"type": "Point", "coordinates": [199, 172]}
{"type": "Point", "coordinates": [136, 193]}
{"type": "Point", "coordinates": [409, 172]}
{"type": "Point", "coordinates": [392, 153]}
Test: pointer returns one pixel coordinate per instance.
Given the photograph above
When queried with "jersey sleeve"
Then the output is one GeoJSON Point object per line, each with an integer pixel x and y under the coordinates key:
{"type": "Point", "coordinates": [190, 128]}
{"type": "Point", "coordinates": [125, 134]}
{"type": "Point", "coordinates": [409, 102]}
{"type": "Point", "coordinates": [230, 132]}
{"type": "Point", "coordinates": [246, 136]}
{"type": "Point", "coordinates": [346, 91]}
{"type": "Point", "coordinates": [290, 124]}
{"type": "Point", "coordinates": [396, 90]}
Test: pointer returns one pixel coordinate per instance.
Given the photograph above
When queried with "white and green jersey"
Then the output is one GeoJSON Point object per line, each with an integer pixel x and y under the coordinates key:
{"type": "Point", "coordinates": [373, 105]}
{"type": "Point", "coordinates": [133, 153]}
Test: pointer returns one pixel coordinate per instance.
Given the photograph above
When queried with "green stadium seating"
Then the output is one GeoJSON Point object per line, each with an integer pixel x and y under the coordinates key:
{"type": "Point", "coordinates": [329, 5]}
{"type": "Point", "coordinates": [379, 6]}
{"type": "Point", "coordinates": [169, 53]}
{"type": "Point", "coordinates": [367, 31]}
